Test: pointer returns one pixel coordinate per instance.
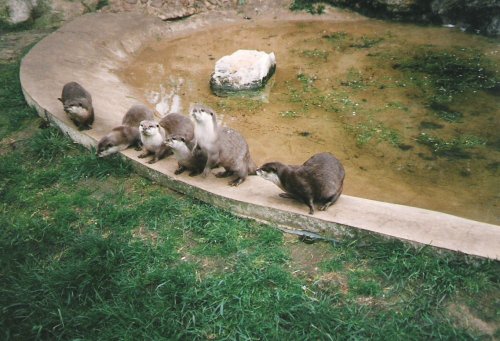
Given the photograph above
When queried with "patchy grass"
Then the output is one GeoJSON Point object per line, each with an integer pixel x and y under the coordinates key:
{"type": "Point", "coordinates": [74, 265]}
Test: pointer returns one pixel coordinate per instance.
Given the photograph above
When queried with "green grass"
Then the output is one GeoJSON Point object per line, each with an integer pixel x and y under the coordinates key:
{"type": "Point", "coordinates": [14, 111]}
{"type": "Point", "coordinates": [89, 250]}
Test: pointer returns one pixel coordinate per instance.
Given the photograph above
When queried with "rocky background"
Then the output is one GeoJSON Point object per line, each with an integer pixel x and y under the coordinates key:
{"type": "Point", "coordinates": [477, 16]}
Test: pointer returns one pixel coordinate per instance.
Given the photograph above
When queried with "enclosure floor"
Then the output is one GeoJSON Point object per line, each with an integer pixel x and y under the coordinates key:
{"type": "Point", "coordinates": [89, 49]}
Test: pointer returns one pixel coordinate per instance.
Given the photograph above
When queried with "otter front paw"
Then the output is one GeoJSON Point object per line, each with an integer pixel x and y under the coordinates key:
{"type": "Point", "coordinates": [236, 182]}
{"type": "Point", "coordinates": [180, 170]}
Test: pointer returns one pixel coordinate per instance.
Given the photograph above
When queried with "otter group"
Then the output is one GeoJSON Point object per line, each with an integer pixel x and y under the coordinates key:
{"type": "Point", "coordinates": [200, 144]}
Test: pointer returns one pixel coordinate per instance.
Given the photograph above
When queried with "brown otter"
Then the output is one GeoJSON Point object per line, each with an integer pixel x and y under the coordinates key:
{"type": "Point", "coordinates": [188, 156]}
{"type": "Point", "coordinates": [77, 104]}
{"type": "Point", "coordinates": [153, 141]}
{"type": "Point", "coordinates": [178, 125]}
{"type": "Point", "coordinates": [319, 180]}
{"type": "Point", "coordinates": [223, 146]}
{"type": "Point", "coordinates": [127, 134]}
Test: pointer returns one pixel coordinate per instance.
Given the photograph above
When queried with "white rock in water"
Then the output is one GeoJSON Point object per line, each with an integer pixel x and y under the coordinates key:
{"type": "Point", "coordinates": [243, 70]}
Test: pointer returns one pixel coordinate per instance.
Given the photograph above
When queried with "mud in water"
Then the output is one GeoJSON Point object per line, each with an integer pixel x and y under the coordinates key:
{"type": "Point", "coordinates": [354, 89]}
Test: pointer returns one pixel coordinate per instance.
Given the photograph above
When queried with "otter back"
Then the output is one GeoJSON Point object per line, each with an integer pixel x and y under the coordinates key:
{"type": "Point", "coordinates": [136, 114]}
{"type": "Point", "coordinates": [178, 125]}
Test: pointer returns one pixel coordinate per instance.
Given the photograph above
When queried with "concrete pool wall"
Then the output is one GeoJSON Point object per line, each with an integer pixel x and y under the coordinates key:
{"type": "Point", "coordinates": [91, 47]}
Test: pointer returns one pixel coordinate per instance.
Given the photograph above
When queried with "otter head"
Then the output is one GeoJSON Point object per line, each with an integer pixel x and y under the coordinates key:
{"type": "Point", "coordinates": [176, 142]}
{"type": "Point", "coordinates": [269, 171]}
{"type": "Point", "coordinates": [202, 115]}
{"type": "Point", "coordinates": [149, 128]}
{"type": "Point", "coordinates": [105, 147]}
{"type": "Point", "coordinates": [110, 145]}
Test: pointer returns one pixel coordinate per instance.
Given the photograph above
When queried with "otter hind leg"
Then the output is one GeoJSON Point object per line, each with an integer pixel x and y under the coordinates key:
{"type": "Point", "coordinates": [180, 170]}
{"type": "Point", "coordinates": [144, 153]}
{"type": "Point", "coordinates": [330, 201]}
{"type": "Point", "coordinates": [309, 203]}
{"type": "Point", "coordinates": [237, 181]}
{"type": "Point", "coordinates": [224, 174]}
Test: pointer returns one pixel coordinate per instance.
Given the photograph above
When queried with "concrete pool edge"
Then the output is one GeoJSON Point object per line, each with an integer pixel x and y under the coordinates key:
{"type": "Point", "coordinates": [112, 38]}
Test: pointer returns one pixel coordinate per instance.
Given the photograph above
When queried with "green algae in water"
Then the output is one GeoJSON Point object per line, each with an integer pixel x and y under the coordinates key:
{"type": "Point", "coordinates": [377, 131]}
{"type": "Point", "coordinates": [455, 147]}
{"type": "Point", "coordinates": [316, 54]}
{"type": "Point", "coordinates": [452, 71]}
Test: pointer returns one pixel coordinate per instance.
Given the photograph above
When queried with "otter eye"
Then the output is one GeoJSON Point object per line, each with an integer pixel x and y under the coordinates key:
{"type": "Point", "coordinates": [211, 114]}
{"type": "Point", "coordinates": [157, 125]}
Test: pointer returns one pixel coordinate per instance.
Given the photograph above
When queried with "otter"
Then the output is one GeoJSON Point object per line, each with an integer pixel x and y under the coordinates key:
{"type": "Point", "coordinates": [178, 125]}
{"type": "Point", "coordinates": [222, 146]}
{"type": "Point", "coordinates": [153, 138]}
{"type": "Point", "coordinates": [319, 180]}
{"type": "Point", "coordinates": [77, 104]}
{"type": "Point", "coordinates": [188, 156]}
{"type": "Point", "coordinates": [127, 134]}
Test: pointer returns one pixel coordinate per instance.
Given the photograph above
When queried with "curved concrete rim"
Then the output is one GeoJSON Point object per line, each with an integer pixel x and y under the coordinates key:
{"type": "Point", "coordinates": [89, 48]}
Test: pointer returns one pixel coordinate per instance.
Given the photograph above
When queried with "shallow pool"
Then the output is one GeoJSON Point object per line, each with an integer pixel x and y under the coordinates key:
{"type": "Point", "coordinates": [412, 112]}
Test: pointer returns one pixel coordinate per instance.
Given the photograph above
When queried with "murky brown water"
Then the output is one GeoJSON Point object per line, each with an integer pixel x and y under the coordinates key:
{"type": "Point", "coordinates": [336, 89]}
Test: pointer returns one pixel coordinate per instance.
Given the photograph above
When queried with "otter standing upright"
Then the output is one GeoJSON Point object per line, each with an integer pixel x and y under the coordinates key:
{"type": "Point", "coordinates": [223, 146]}
{"type": "Point", "coordinates": [319, 180]}
{"type": "Point", "coordinates": [77, 104]}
